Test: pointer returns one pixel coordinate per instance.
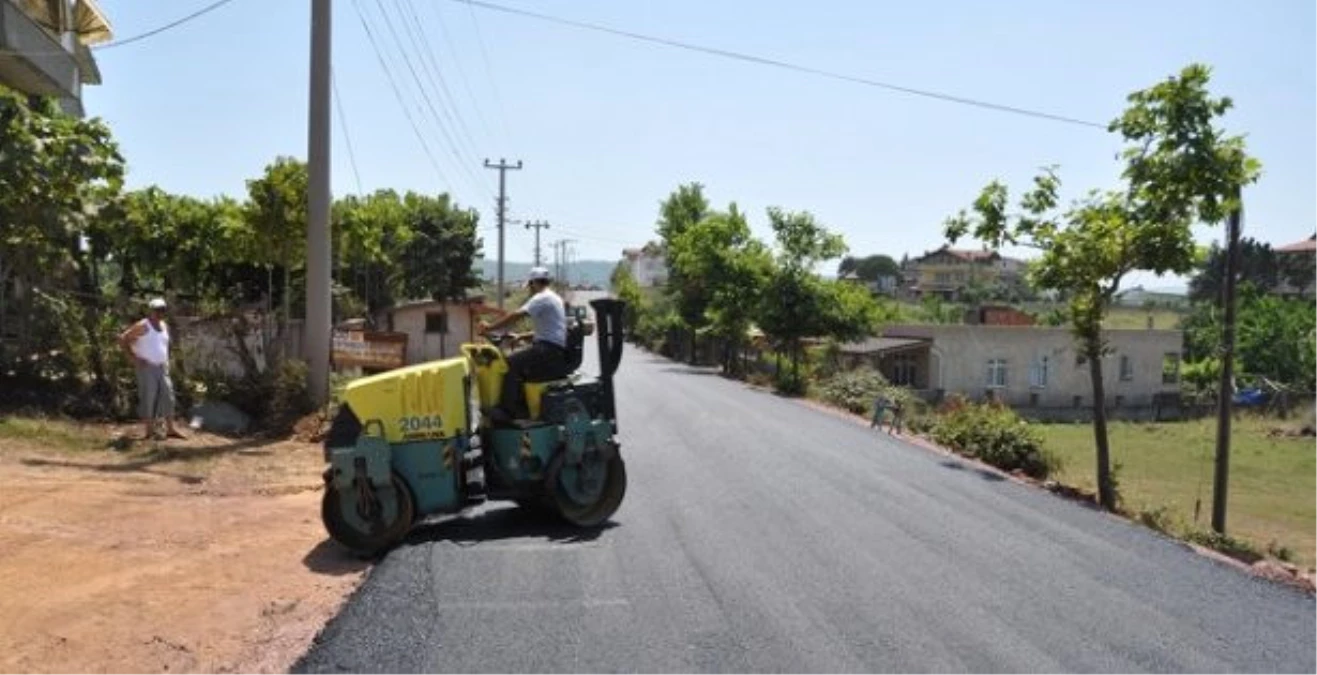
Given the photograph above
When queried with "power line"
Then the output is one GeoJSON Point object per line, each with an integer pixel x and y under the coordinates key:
{"type": "Point", "coordinates": [461, 72]}
{"type": "Point", "coordinates": [398, 93]}
{"type": "Point", "coordinates": [429, 104]}
{"type": "Point", "coordinates": [343, 124]}
{"type": "Point", "coordinates": [437, 73]}
{"type": "Point", "coordinates": [783, 64]}
{"type": "Point", "coordinates": [127, 41]}
{"type": "Point", "coordinates": [489, 72]}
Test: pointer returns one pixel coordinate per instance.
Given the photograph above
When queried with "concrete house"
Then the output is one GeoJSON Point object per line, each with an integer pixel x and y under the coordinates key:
{"type": "Point", "coordinates": [1036, 370]}
{"type": "Point", "coordinates": [947, 271]}
{"type": "Point", "coordinates": [648, 265]}
{"type": "Point", "coordinates": [45, 48]}
{"type": "Point", "coordinates": [1298, 255]}
{"type": "Point", "coordinates": [434, 330]}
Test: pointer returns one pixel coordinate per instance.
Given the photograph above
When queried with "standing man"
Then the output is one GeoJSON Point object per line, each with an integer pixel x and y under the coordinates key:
{"type": "Point", "coordinates": [147, 343]}
{"type": "Point", "coordinates": [546, 358]}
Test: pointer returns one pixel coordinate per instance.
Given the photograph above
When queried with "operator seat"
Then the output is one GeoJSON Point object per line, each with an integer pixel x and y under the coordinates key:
{"type": "Point", "coordinates": [534, 389]}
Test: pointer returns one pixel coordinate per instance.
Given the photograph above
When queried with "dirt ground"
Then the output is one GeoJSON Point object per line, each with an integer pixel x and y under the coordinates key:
{"type": "Point", "coordinates": [205, 554]}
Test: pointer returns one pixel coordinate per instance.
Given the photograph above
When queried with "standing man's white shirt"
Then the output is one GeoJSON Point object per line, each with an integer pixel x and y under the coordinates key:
{"type": "Point", "coordinates": [153, 344]}
{"type": "Point", "coordinates": [549, 315]}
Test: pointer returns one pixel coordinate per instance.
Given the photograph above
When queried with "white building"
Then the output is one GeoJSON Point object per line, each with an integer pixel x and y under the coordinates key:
{"type": "Point", "coordinates": [648, 265]}
{"type": "Point", "coordinates": [45, 48]}
{"type": "Point", "coordinates": [1032, 368]}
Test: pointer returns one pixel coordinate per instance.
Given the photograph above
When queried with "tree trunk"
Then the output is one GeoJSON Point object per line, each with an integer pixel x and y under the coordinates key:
{"type": "Point", "coordinates": [4, 304]}
{"type": "Point", "coordinates": [283, 331]}
{"type": "Point", "coordinates": [1106, 491]}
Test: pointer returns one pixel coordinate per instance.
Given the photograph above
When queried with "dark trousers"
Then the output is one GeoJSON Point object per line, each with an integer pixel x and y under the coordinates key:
{"type": "Point", "coordinates": [540, 362]}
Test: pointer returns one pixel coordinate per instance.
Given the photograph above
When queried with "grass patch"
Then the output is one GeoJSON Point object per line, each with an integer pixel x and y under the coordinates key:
{"type": "Point", "coordinates": [1167, 468]}
{"type": "Point", "coordinates": [51, 433]}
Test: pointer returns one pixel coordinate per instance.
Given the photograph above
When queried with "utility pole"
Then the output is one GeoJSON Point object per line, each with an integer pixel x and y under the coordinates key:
{"type": "Point", "coordinates": [1225, 397]}
{"type": "Point", "coordinates": [568, 252]}
{"type": "Point", "coordinates": [502, 167]}
{"type": "Point", "coordinates": [538, 225]}
{"type": "Point", "coordinates": [317, 328]}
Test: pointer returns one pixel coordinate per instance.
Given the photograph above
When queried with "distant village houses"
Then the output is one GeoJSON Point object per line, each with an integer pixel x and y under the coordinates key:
{"type": "Point", "coordinates": [1300, 255]}
{"type": "Point", "coordinates": [648, 265]}
{"type": "Point", "coordinates": [947, 272]}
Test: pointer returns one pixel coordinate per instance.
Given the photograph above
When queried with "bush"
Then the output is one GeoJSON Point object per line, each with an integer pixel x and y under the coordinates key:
{"type": "Point", "coordinates": [994, 434]}
{"type": "Point", "coordinates": [791, 384]}
{"type": "Point", "coordinates": [275, 399]}
{"type": "Point", "coordinates": [1224, 543]}
{"type": "Point", "coordinates": [1160, 519]}
{"type": "Point", "coordinates": [854, 391]}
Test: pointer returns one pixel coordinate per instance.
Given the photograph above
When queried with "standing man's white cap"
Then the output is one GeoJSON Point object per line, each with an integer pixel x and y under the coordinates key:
{"type": "Point", "coordinates": [539, 274]}
{"type": "Point", "coordinates": [157, 303]}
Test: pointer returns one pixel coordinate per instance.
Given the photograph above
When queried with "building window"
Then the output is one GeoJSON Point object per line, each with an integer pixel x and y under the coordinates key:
{"type": "Point", "coordinates": [1170, 368]}
{"type": "Point", "coordinates": [1126, 368]}
{"type": "Point", "coordinates": [997, 373]}
{"type": "Point", "coordinates": [1038, 372]}
{"type": "Point", "coordinates": [436, 322]}
{"type": "Point", "coordinates": [903, 371]}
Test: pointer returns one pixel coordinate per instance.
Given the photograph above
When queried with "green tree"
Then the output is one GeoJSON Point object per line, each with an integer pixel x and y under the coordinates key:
{"type": "Point", "coordinates": [438, 260]}
{"type": "Point", "coordinates": [732, 268]}
{"type": "Point", "coordinates": [1275, 337]}
{"type": "Point", "coordinates": [276, 214]}
{"type": "Point", "coordinates": [55, 170]}
{"type": "Point", "coordinates": [626, 289]}
{"type": "Point", "coordinates": [683, 209]}
{"type": "Point", "coordinates": [1179, 169]}
{"type": "Point", "coordinates": [371, 235]}
{"type": "Point", "coordinates": [1257, 265]}
{"type": "Point", "coordinates": [869, 268]}
{"type": "Point", "coordinates": [797, 303]}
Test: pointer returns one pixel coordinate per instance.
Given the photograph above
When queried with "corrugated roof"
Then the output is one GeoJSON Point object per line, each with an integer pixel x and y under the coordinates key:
{"type": "Point", "coordinates": [879, 345]}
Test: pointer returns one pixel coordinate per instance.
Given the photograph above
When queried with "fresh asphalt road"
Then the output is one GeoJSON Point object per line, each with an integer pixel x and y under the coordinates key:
{"type": "Point", "coordinates": [760, 535]}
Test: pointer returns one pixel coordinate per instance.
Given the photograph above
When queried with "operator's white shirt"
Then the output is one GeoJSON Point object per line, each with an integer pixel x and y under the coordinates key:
{"type": "Point", "coordinates": [546, 310]}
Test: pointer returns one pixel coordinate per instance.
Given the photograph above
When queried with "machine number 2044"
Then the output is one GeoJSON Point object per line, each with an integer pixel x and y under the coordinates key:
{"type": "Point", "coordinates": [421, 426]}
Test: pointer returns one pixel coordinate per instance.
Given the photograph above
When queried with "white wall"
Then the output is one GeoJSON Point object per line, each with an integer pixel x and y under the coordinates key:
{"type": "Point", "coordinates": [422, 346]}
{"type": "Point", "coordinates": [960, 356]}
{"type": "Point", "coordinates": [649, 271]}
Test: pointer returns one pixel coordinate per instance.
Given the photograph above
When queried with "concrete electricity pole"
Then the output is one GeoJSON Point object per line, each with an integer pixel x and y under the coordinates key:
{"type": "Point", "coordinates": [538, 225]}
{"type": "Point", "coordinates": [566, 261]}
{"type": "Point", "coordinates": [317, 328]}
{"type": "Point", "coordinates": [502, 167]}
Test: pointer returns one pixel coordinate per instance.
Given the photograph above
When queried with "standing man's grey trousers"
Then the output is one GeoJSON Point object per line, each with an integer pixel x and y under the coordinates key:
{"type": "Point", "coordinates": [155, 391]}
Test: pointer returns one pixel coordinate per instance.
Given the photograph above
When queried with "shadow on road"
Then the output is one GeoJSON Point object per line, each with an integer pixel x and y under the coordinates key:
{"type": "Point", "coordinates": [511, 522]}
{"type": "Point", "coordinates": [982, 473]}
{"type": "Point", "coordinates": [331, 559]}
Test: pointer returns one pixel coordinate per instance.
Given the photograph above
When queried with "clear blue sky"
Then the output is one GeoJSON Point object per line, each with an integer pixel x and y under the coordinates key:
{"type": "Point", "coordinates": [608, 126]}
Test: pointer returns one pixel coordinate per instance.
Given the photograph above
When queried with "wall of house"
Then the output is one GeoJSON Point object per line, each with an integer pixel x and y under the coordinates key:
{"type": "Point", "coordinates": [649, 271]}
{"type": "Point", "coordinates": [423, 346]}
{"type": "Point", "coordinates": [959, 362]}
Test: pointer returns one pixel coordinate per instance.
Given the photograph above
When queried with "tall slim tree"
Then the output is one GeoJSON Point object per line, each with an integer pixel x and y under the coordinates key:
{"type": "Point", "coordinates": [1180, 169]}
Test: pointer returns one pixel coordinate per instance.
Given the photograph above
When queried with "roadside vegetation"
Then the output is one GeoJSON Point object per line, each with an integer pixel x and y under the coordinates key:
{"type": "Point", "coordinates": [81, 255]}
{"type": "Point", "coordinates": [762, 313]}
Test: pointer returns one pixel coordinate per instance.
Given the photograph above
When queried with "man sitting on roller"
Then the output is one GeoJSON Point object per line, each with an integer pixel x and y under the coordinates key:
{"type": "Point", "coordinates": [546, 358]}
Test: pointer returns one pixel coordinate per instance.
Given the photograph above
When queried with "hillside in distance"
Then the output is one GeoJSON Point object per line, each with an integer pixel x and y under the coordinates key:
{"type": "Point", "coordinates": [588, 272]}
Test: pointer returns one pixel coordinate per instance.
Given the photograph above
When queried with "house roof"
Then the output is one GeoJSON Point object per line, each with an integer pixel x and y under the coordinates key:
{"type": "Point", "coordinates": [881, 345]}
{"type": "Point", "coordinates": [968, 255]}
{"type": "Point", "coordinates": [1308, 245]}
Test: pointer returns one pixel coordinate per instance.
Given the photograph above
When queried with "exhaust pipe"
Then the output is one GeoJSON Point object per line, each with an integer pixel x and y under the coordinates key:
{"type": "Point", "coordinates": [608, 328]}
